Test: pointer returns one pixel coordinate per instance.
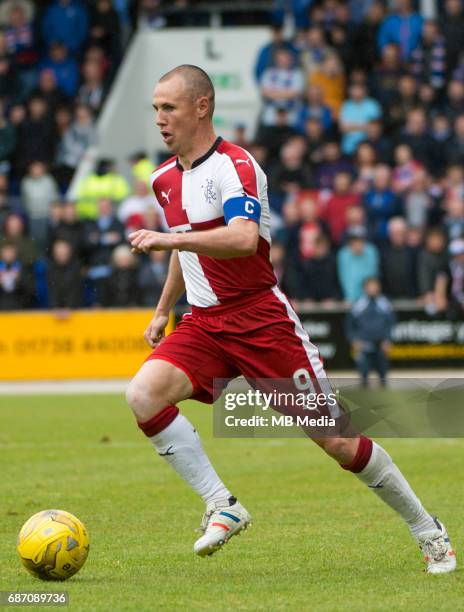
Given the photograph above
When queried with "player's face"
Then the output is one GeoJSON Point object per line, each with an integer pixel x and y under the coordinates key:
{"type": "Point", "coordinates": [176, 115]}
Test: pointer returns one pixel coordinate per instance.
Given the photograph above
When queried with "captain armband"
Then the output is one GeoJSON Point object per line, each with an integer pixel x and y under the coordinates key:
{"type": "Point", "coordinates": [243, 207]}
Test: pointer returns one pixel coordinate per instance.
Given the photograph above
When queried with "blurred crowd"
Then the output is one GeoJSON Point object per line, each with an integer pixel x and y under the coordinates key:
{"type": "Point", "coordinates": [57, 62]}
{"type": "Point", "coordinates": [361, 134]}
{"type": "Point", "coordinates": [362, 138]}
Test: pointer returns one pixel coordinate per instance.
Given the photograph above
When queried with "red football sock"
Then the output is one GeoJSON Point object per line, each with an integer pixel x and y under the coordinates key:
{"type": "Point", "coordinates": [159, 422]}
{"type": "Point", "coordinates": [363, 454]}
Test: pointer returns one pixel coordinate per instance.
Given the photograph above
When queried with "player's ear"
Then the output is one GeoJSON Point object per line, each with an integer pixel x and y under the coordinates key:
{"type": "Point", "coordinates": [202, 107]}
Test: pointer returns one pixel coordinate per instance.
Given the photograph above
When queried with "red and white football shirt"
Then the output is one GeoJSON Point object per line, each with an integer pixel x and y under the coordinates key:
{"type": "Point", "coordinates": [194, 200]}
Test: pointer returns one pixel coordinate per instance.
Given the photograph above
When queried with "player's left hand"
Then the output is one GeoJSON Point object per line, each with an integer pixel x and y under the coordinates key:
{"type": "Point", "coordinates": [143, 241]}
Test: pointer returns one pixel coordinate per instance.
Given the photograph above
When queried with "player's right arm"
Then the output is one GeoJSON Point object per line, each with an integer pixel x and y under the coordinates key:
{"type": "Point", "coordinates": [174, 287]}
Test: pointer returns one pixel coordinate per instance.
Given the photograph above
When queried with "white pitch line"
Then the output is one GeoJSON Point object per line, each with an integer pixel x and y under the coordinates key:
{"type": "Point", "coordinates": [63, 387]}
{"type": "Point", "coordinates": [119, 385]}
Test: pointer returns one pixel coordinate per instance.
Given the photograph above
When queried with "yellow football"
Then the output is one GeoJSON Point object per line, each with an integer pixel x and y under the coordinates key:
{"type": "Point", "coordinates": [53, 545]}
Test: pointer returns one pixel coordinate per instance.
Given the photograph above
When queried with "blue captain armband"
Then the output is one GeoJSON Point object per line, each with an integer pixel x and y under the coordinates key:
{"type": "Point", "coordinates": [245, 207]}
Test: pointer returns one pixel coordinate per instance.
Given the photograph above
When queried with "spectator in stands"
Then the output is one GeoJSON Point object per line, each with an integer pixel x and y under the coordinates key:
{"type": "Point", "coordinates": [240, 135]}
{"type": "Point", "coordinates": [403, 27]}
{"type": "Point", "coordinates": [141, 167]}
{"type": "Point", "coordinates": [318, 280]}
{"type": "Point", "coordinates": [121, 288]}
{"type": "Point", "coordinates": [153, 220]}
{"type": "Point", "coordinates": [10, 85]}
{"type": "Point", "coordinates": [64, 277]}
{"type": "Point", "coordinates": [151, 278]}
{"type": "Point", "coordinates": [38, 191]}
{"type": "Point", "coordinates": [290, 174]}
{"type": "Point", "coordinates": [428, 59]}
{"type": "Point", "coordinates": [7, 141]}
{"type": "Point", "coordinates": [281, 87]}
{"type": "Point", "coordinates": [415, 134]}
{"type": "Point", "coordinates": [381, 204]}
{"type": "Point", "coordinates": [355, 218]}
{"type": "Point", "coordinates": [66, 21]}
{"type": "Point", "coordinates": [64, 67]}
{"type": "Point", "coordinates": [417, 201]}
{"type": "Point", "coordinates": [356, 262]}
{"type": "Point", "coordinates": [337, 205]}
{"type": "Point", "coordinates": [441, 136]}
{"type": "Point", "coordinates": [62, 120]}
{"type": "Point", "coordinates": [6, 206]}
{"type": "Point", "coordinates": [332, 163]}
{"type": "Point", "coordinates": [314, 50]}
{"type": "Point", "coordinates": [453, 183]}
{"type": "Point", "coordinates": [458, 72]}
{"type": "Point", "coordinates": [310, 226]}
{"type": "Point", "coordinates": [452, 27]}
{"type": "Point", "coordinates": [48, 89]}
{"type": "Point", "coordinates": [428, 99]}
{"type": "Point", "coordinates": [432, 266]}
{"type": "Point", "coordinates": [35, 136]}
{"type": "Point", "coordinates": [405, 169]}
{"type": "Point", "coordinates": [365, 166]}
{"type": "Point", "coordinates": [315, 139]}
{"type": "Point", "coordinates": [100, 237]}
{"type": "Point", "coordinates": [454, 219]}
{"type": "Point", "coordinates": [379, 141]}
{"type": "Point", "coordinates": [266, 55]}
{"type": "Point", "coordinates": [454, 105]}
{"type": "Point", "coordinates": [314, 108]}
{"type": "Point", "coordinates": [273, 137]}
{"type": "Point", "coordinates": [55, 218]}
{"type": "Point", "coordinates": [7, 6]}
{"type": "Point", "coordinates": [364, 47]}
{"type": "Point", "coordinates": [398, 262]}
{"type": "Point", "coordinates": [369, 331]}
{"type": "Point", "coordinates": [103, 183]}
{"type": "Point", "coordinates": [456, 271]}
{"type": "Point", "coordinates": [94, 53]}
{"type": "Point", "coordinates": [340, 40]}
{"type": "Point", "coordinates": [20, 42]}
{"type": "Point", "coordinates": [133, 209]}
{"type": "Point", "coordinates": [355, 114]}
{"type": "Point", "coordinates": [93, 90]}
{"type": "Point", "coordinates": [405, 100]}
{"type": "Point", "coordinates": [454, 151]}
{"type": "Point", "coordinates": [277, 255]}
{"type": "Point", "coordinates": [105, 29]}
{"type": "Point", "coordinates": [16, 282]}
{"type": "Point", "coordinates": [76, 140]}
{"type": "Point", "coordinates": [330, 78]}
{"type": "Point", "coordinates": [65, 226]}
{"type": "Point", "coordinates": [14, 232]}
{"type": "Point", "coordinates": [385, 77]}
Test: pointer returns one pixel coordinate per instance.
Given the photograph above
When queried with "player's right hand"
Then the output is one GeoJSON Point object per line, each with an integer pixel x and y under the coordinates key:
{"type": "Point", "coordinates": [155, 330]}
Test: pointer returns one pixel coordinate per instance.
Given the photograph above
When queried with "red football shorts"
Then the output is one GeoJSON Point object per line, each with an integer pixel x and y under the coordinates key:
{"type": "Point", "coordinates": [261, 337]}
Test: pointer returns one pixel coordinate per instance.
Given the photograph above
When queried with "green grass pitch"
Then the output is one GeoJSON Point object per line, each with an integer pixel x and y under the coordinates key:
{"type": "Point", "coordinates": [319, 540]}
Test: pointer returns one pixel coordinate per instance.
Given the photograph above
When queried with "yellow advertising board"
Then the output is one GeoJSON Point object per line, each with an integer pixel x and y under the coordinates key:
{"type": "Point", "coordinates": [84, 344]}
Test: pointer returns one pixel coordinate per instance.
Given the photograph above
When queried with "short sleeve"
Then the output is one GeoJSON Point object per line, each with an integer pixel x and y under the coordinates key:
{"type": "Point", "coordinates": [237, 183]}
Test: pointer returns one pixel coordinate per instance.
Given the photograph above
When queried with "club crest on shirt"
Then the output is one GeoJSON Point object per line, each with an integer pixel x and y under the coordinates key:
{"type": "Point", "coordinates": [209, 191]}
